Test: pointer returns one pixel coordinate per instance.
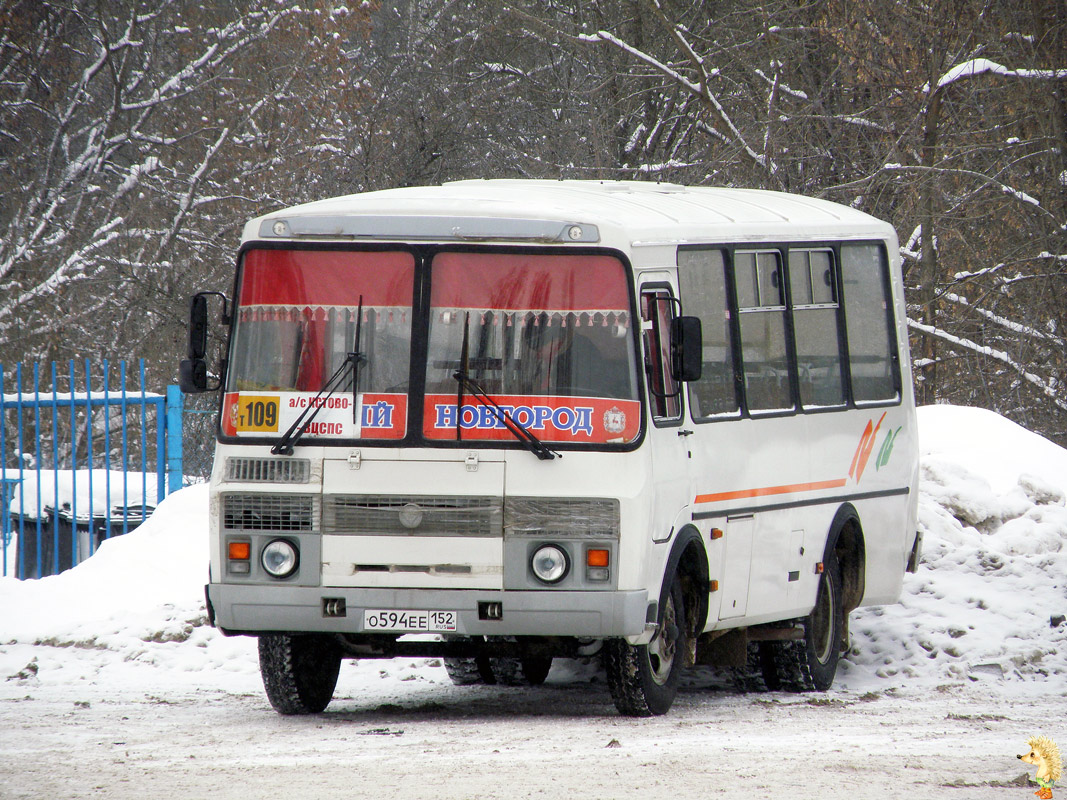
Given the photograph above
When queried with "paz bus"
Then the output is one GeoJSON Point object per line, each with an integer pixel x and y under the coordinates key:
{"type": "Point", "coordinates": [499, 422]}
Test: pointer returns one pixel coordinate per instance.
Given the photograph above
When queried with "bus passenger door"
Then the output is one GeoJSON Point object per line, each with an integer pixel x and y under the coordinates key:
{"type": "Point", "coordinates": [668, 439]}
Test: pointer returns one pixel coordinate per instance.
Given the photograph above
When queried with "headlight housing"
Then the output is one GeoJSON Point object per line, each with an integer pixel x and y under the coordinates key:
{"type": "Point", "coordinates": [584, 533]}
{"type": "Point", "coordinates": [549, 563]}
{"type": "Point", "coordinates": [280, 558]}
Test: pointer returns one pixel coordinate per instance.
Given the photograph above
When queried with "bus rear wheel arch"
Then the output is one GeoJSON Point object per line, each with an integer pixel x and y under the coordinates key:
{"type": "Point", "coordinates": [845, 543]}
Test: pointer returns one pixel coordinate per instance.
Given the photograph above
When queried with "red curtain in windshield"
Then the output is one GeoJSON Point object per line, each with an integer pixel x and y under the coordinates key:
{"type": "Point", "coordinates": [526, 282]}
{"type": "Point", "coordinates": [286, 279]}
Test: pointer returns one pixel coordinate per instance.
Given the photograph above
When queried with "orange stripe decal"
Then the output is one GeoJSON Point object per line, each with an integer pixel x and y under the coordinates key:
{"type": "Point", "coordinates": [766, 491]}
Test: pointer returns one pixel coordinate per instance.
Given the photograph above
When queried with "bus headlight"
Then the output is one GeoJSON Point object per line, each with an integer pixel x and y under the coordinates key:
{"type": "Point", "coordinates": [280, 558]}
{"type": "Point", "coordinates": [549, 563]}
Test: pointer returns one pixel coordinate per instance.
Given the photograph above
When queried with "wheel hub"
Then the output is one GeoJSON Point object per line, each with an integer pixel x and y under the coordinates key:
{"type": "Point", "coordinates": [664, 645]}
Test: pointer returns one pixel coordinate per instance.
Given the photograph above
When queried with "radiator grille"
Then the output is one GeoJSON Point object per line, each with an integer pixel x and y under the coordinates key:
{"type": "Point", "coordinates": [268, 470]}
{"type": "Point", "coordinates": [422, 516]}
{"type": "Point", "coordinates": [267, 512]}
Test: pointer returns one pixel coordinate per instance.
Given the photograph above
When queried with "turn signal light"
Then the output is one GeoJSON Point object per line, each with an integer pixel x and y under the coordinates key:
{"type": "Point", "coordinates": [597, 562]}
{"type": "Point", "coordinates": [240, 557]}
{"type": "Point", "coordinates": [596, 557]}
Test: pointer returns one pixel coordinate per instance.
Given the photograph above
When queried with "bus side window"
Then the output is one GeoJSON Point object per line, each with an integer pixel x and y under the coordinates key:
{"type": "Point", "coordinates": [868, 312]}
{"type": "Point", "coordinates": [761, 305]}
{"type": "Point", "coordinates": [702, 275]}
{"type": "Point", "coordinates": [813, 289]}
{"type": "Point", "coordinates": [664, 394]}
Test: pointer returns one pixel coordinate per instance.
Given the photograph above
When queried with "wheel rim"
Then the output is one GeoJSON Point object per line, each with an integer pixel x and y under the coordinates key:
{"type": "Point", "coordinates": [822, 628]}
{"type": "Point", "coordinates": [661, 649]}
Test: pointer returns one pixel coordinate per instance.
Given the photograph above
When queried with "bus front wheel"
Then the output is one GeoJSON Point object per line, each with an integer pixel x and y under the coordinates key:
{"type": "Point", "coordinates": [299, 671]}
{"type": "Point", "coordinates": [643, 679]}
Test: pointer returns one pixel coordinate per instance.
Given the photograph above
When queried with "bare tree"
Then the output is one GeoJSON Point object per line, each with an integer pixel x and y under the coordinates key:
{"type": "Point", "coordinates": [137, 137]}
{"type": "Point", "coordinates": [139, 134]}
{"type": "Point", "coordinates": [945, 117]}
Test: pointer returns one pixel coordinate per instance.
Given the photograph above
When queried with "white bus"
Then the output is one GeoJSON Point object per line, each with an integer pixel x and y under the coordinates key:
{"type": "Point", "coordinates": [500, 422]}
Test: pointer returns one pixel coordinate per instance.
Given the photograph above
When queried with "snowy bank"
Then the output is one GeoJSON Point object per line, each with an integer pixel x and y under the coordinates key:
{"type": "Point", "coordinates": [986, 605]}
{"type": "Point", "coordinates": [140, 595]}
{"type": "Point", "coordinates": [990, 597]}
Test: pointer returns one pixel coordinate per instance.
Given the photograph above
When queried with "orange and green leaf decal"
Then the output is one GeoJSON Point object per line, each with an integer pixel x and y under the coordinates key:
{"type": "Point", "coordinates": [863, 450]}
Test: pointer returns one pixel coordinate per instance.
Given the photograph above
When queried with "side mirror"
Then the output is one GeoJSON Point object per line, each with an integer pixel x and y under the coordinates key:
{"type": "Point", "coordinates": [197, 348]}
{"type": "Point", "coordinates": [193, 372]}
{"type": "Point", "coordinates": [192, 375]}
{"type": "Point", "coordinates": [686, 346]}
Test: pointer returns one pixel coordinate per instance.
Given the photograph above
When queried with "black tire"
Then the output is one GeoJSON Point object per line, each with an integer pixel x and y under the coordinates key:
{"type": "Point", "coordinates": [504, 671]}
{"type": "Point", "coordinates": [810, 664]}
{"type": "Point", "coordinates": [753, 676]}
{"type": "Point", "coordinates": [643, 679]}
{"type": "Point", "coordinates": [299, 671]}
{"type": "Point", "coordinates": [535, 669]}
{"type": "Point", "coordinates": [470, 671]}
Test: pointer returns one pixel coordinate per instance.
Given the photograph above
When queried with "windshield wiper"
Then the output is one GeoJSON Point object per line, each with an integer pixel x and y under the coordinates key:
{"type": "Point", "coordinates": [518, 430]}
{"type": "Point", "coordinates": [285, 445]}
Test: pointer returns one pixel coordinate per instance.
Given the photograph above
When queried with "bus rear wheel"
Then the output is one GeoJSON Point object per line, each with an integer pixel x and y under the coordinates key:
{"type": "Point", "coordinates": [810, 664]}
{"type": "Point", "coordinates": [299, 671]}
{"type": "Point", "coordinates": [643, 679]}
{"type": "Point", "coordinates": [506, 671]}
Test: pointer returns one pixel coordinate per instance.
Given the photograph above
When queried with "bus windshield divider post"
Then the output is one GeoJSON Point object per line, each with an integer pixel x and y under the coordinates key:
{"type": "Point", "coordinates": [464, 367]}
{"type": "Point", "coordinates": [358, 361]}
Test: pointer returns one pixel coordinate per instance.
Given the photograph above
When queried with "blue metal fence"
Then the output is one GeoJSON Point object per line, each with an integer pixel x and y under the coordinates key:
{"type": "Point", "coordinates": [81, 464]}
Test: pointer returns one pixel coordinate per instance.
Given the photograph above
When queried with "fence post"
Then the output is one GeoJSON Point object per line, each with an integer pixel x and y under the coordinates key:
{"type": "Point", "coordinates": [174, 438]}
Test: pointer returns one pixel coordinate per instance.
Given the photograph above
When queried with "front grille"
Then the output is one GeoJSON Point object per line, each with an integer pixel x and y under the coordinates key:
{"type": "Point", "coordinates": [267, 512]}
{"type": "Point", "coordinates": [425, 516]}
{"type": "Point", "coordinates": [268, 470]}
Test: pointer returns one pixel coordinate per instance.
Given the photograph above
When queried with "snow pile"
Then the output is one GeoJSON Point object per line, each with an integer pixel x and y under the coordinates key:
{"type": "Point", "coordinates": [991, 595]}
{"type": "Point", "coordinates": [137, 592]}
{"type": "Point", "coordinates": [987, 603]}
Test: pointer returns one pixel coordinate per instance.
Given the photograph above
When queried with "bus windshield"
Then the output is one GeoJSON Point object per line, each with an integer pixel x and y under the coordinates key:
{"type": "Point", "coordinates": [297, 319]}
{"type": "Point", "coordinates": [546, 336]}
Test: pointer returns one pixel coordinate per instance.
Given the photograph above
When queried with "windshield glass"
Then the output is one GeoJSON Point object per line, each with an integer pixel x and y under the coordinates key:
{"type": "Point", "coordinates": [296, 321]}
{"type": "Point", "coordinates": [548, 337]}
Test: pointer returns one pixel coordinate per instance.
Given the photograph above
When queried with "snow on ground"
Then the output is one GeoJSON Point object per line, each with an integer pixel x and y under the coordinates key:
{"type": "Point", "coordinates": [974, 651]}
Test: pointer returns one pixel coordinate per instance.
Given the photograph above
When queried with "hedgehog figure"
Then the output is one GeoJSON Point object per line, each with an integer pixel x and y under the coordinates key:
{"type": "Point", "coordinates": [1045, 755]}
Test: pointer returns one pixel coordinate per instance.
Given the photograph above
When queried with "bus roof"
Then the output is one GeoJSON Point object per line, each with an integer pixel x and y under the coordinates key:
{"type": "Point", "coordinates": [612, 213]}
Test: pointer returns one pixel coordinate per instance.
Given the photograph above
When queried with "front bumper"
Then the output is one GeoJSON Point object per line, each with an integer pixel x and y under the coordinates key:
{"type": "Point", "coordinates": [253, 609]}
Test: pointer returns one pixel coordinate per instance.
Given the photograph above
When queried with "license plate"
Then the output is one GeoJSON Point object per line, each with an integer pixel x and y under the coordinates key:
{"type": "Point", "coordinates": [409, 621]}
